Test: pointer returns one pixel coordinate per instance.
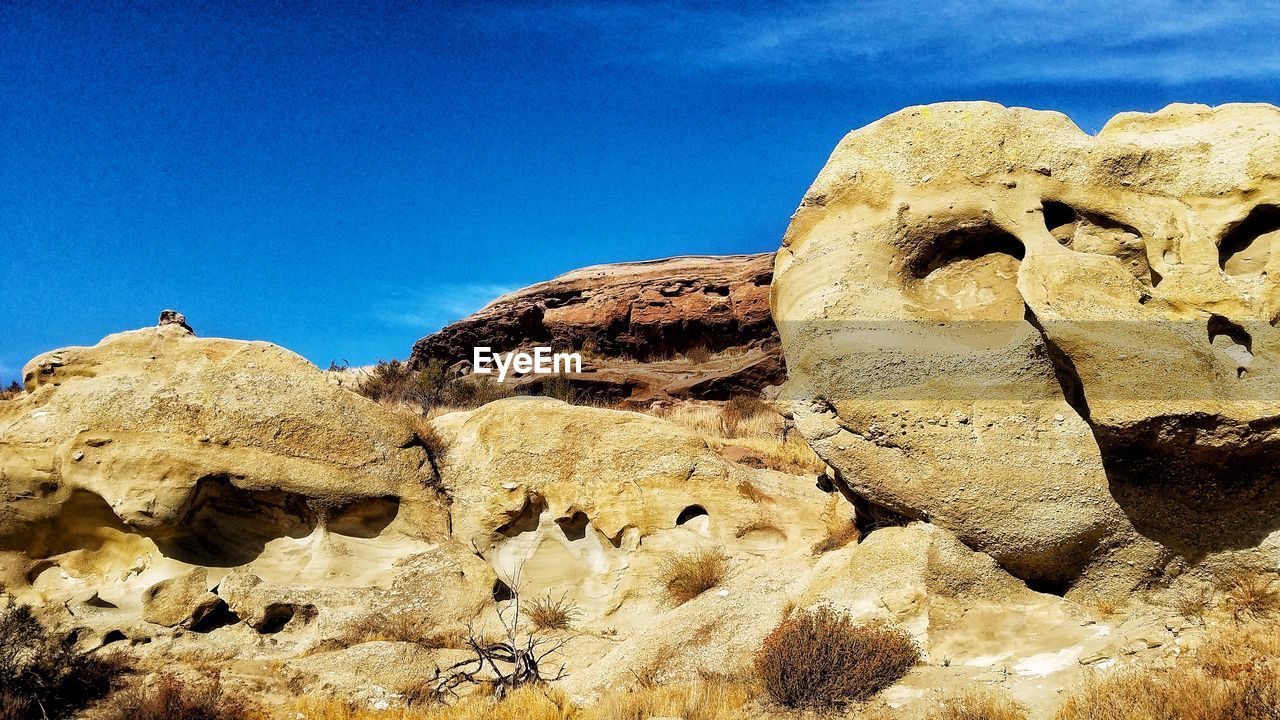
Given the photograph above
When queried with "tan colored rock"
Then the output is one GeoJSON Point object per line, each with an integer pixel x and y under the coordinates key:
{"type": "Point", "coordinates": [585, 501]}
{"type": "Point", "coordinates": [1058, 346]}
{"type": "Point", "coordinates": [182, 601]}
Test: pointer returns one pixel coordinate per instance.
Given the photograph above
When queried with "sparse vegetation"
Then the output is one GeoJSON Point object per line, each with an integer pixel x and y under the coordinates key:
{"type": "Point", "coordinates": [710, 697]}
{"type": "Point", "coordinates": [698, 354]}
{"type": "Point", "coordinates": [1234, 675]}
{"type": "Point", "coordinates": [840, 525]}
{"type": "Point", "coordinates": [1192, 603]}
{"type": "Point", "coordinates": [171, 698]}
{"type": "Point", "coordinates": [41, 674]}
{"type": "Point", "coordinates": [820, 658]}
{"type": "Point", "coordinates": [13, 390]}
{"type": "Point", "coordinates": [526, 703]}
{"type": "Point", "coordinates": [1251, 595]}
{"type": "Point", "coordinates": [979, 704]}
{"type": "Point", "coordinates": [551, 613]}
{"type": "Point", "coordinates": [742, 408]}
{"type": "Point", "coordinates": [399, 626]}
{"type": "Point", "coordinates": [687, 575]}
{"type": "Point", "coordinates": [763, 436]}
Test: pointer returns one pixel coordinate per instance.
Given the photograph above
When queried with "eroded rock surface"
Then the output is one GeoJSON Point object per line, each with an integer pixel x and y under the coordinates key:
{"type": "Point", "coordinates": [1058, 346]}
{"type": "Point", "coordinates": [632, 319]}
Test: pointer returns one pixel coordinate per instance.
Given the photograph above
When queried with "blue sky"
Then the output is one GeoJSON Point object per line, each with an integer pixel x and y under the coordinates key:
{"type": "Point", "coordinates": [342, 181]}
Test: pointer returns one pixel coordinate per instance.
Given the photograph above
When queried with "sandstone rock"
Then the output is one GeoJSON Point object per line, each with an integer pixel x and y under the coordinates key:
{"type": "Point", "coordinates": [628, 315]}
{"type": "Point", "coordinates": [1058, 346]}
{"type": "Point", "coordinates": [182, 601]}
{"type": "Point", "coordinates": [583, 500]}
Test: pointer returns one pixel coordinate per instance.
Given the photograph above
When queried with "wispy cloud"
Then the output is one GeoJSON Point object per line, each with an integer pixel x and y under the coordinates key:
{"type": "Point", "coordinates": [429, 310]}
{"type": "Point", "coordinates": [959, 42]}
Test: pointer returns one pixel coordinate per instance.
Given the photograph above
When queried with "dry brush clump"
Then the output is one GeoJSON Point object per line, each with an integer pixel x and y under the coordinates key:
{"type": "Point", "coordinates": [740, 409]}
{"type": "Point", "coordinates": [1235, 675]}
{"type": "Point", "coordinates": [526, 703]}
{"type": "Point", "coordinates": [41, 673]}
{"type": "Point", "coordinates": [687, 575]}
{"type": "Point", "coordinates": [821, 658]}
{"type": "Point", "coordinates": [169, 697]}
{"type": "Point", "coordinates": [13, 390]}
{"type": "Point", "coordinates": [551, 613]}
{"type": "Point", "coordinates": [1251, 595]}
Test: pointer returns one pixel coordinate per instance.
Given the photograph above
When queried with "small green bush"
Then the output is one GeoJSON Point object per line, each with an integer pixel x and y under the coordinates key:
{"type": "Point", "coordinates": [820, 658]}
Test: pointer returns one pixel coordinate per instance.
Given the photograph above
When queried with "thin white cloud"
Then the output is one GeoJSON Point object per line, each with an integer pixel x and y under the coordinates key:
{"type": "Point", "coordinates": [959, 42]}
{"type": "Point", "coordinates": [429, 310]}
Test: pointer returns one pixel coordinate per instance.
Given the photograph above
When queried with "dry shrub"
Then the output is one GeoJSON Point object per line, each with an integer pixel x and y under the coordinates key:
{"type": "Point", "coordinates": [706, 698]}
{"type": "Point", "coordinates": [698, 354]}
{"type": "Point", "coordinates": [526, 703]}
{"type": "Point", "coordinates": [1193, 602]}
{"type": "Point", "coordinates": [820, 658]}
{"type": "Point", "coordinates": [41, 674]}
{"type": "Point", "coordinates": [397, 626]}
{"type": "Point", "coordinates": [979, 704]}
{"type": "Point", "coordinates": [430, 386]}
{"type": "Point", "coordinates": [841, 529]}
{"type": "Point", "coordinates": [1235, 675]}
{"type": "Point", "coordinates": [1251, 595]}
{"type": "Point", "coordinates": [740, 408]}
{"type": "Point", "coordinates": [550, 613]}
{"type": "Point", "coordinates": [169, 698]}
{"type": "Point", "coordinates": [10, 392]}
{"type": "Point", "coordinates": [687, 575]}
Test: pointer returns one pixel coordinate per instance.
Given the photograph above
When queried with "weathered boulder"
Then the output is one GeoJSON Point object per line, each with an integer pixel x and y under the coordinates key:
{"type": "Point", "coordinates": [1058, 346]}
{"type": "Point", "coordinates": [628, 315]}
{"type": "Point", "coordinates": [582, 499]}
{"type": "Point", "coordinates": [181, 601]}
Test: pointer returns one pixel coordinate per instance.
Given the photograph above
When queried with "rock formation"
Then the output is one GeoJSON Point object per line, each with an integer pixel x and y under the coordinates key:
{"type": "Point", "coordinates": [1058, 346]}
{"type": "Point", "coordinates": [634, 321]}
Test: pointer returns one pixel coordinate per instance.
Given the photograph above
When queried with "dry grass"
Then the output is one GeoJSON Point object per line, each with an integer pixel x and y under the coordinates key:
{"type": "Point", "coordinates": [1192, 603]}
{"type": "Point", "coordinates": [687, 575]}
{"type": "Point", "coordinates": [1251, 595]}
{"type": "Point", "coordinates": [401, 626]}
{"type": "Point", "coordinates": [1234, 675]}
{"type": "Point", "coordinates": [10, 392]}
{"type": "Point", "coordinates": [841, 528]}
{"type": "Point", "coordinates": [741, 409]}
{"type": "Point", "coordinates": [979, 704]}
{"type": "Point", "coordinates": [699, 354]}
{"type": "Point", "coordinates": [762, 435]}
{"type": "Point", "coordinates": [550, 613]}
{"type": "Point", "coordinates": [170, 698]}
{"type": "Point", "coordinates": [820, 658]}
{"type": "Point", "coordinates": [707, 698]}
{"type": "Point", "coordinates": [526, 703]}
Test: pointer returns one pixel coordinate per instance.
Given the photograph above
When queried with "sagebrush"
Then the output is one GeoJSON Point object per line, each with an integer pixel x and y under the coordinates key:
{"type": "Point", "coordinates": [821, 658]}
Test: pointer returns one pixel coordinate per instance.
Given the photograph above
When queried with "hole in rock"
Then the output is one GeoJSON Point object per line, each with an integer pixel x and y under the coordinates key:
{"type": "Point", "coordinates": [1057, 215]}
{"type": "Point", "coordinates": [364, 518]}
{"type": "Point", "coordinates": [574, 527]}
{"type": "Point", "coordinates": [691, 512]}
{"type": "Point", "coordinates": [227, 526]}
{"type": "Point", "coordinates": [1245, 247]}
{"type": "Point", "coordinates": [277, 616]}
{"type": "Point", "coordinates": [502, 592]}
{"type": "Point", "coordinates": [967, 243]}
{"type": "Point", "coordinates": [219, 616]}
{"type": "Point", "coordinates": [1049, 586]}
{"type": "Point", "coordinates": [1098, 234]}
{"type": "Point", "coordinates": [1233, 341]}
{"type": "Point", "coordinates": [113, 636]}
{"type": "Point", "coordinates": [525, 519]}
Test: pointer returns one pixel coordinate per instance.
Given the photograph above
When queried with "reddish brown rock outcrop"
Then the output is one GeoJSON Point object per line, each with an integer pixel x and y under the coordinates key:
{"type": "Point", "coordinates": [643, 327]}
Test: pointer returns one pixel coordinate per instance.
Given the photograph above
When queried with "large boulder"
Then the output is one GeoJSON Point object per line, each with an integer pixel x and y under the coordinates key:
{"type": "Point", "coordinates": [148, 467]}
{"type": "Point", "coordinates": [1058, 346]}
{"type": "Point", "coordinates": [627, 315]}
{"type": "Point", "coordinates": [585, 501]}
